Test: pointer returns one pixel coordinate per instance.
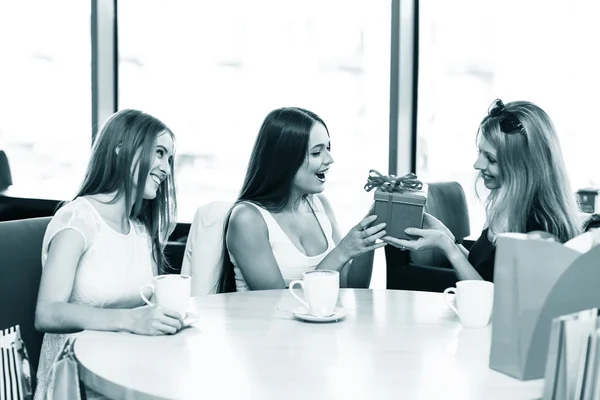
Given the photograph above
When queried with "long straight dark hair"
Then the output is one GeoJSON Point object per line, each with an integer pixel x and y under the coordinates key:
{"type": "Point", "coordinates": [134, 134]}
{"type": "Point", "coordinates": [279, 151]}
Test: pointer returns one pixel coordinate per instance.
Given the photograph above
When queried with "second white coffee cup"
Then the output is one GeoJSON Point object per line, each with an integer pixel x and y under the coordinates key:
{"type": "Point", "coordinates": [474, 302]}
{"type": "Point", "coordinates": [321, 289]}
{"type": "Point", "coordinates": [170, 291]}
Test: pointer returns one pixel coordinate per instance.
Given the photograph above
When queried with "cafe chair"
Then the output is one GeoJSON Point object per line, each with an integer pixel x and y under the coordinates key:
{"type": "Point", "coordinates": [430, 270]}
{"type": "Point", "coordinates": [590, 222]}
{"type": "Point", "coordinates": [204, 247]}
{"type": "Point", "coordinates": [174, 252]}
{"type": "Point", "coordinates": [20, 272]}
{"type": "Point", "coordinates": [5, 175]}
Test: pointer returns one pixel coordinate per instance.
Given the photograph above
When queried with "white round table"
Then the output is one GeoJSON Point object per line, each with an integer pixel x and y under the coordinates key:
{"type": "Point", "coordinates": [391, 345]}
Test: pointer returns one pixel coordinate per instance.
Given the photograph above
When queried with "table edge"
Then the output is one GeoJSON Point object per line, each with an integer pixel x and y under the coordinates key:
{"type": "Point", "coordinates": [107, 387]}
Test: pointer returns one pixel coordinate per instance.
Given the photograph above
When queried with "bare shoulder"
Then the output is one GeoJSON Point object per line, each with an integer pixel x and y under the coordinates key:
{"type": "Point", "coordinates": [246, 220]}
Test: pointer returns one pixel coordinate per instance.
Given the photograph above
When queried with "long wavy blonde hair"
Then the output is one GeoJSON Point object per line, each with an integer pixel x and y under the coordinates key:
{"type": "Point", "coordinates": [534, 181]}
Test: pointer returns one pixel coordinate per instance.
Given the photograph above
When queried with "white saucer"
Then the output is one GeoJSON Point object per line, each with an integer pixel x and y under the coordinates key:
{"type": "Point", "coordinates": [190, 319]}
{"type": "Point", "coordinates": [303, 314]}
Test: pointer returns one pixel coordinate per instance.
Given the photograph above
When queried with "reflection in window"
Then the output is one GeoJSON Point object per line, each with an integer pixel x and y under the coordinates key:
{"type": "Point", "coordinates": [473, 52]}
{"type": "Point", "coordinates": [45, 95]}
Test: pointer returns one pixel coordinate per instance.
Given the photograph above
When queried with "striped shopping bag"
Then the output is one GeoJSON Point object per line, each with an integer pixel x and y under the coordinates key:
{"type": "Point", "coordinates": [15, 377]}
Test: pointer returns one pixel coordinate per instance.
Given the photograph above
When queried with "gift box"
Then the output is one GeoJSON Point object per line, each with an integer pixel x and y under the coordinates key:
{"type": "Point", "coordinates": [399, 202]}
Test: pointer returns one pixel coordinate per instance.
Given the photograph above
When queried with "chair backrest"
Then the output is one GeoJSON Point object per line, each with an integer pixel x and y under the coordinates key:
{"type": "Point", "coordinates": [446, 201]}
{"type": "Point", "coordinates": [204, 248]}
{"type": "Point", "coordinates": [20, 272]}
{"type": "Point", "coordinates": [174, 252]}
{"type": "Point", "coordinates": [5, 175]}
{"type": "Point", "coordinates": [589, 222]}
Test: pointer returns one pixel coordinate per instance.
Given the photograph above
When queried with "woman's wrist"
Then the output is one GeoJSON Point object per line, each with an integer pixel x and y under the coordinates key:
{"type": "Point", "coordinates": [341, 256]}
{"type": "Point", "coordinates": [124, 321]}
{"type": "Point", "coordinates": [450, 246]}
{"type": "Point", "coordinates": [335, 260]}
{"type": "Point", "coordinates": [344, 272]}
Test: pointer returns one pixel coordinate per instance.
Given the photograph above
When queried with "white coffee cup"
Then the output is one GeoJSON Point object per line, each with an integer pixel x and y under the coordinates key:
{"type": "Point", "coordinates": [474, 301]}
{"type": "Point", "coordinates": [170, 291]}
{"type": "Point", "coordinates": [321, 289]}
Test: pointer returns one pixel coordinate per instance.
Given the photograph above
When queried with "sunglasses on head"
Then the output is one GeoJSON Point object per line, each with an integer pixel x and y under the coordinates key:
{"type": "Point", "coordinates": [509, 123]}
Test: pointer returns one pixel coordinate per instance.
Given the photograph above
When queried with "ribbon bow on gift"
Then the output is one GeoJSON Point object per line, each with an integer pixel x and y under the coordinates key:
{"type": "Point", "coordinates": [391, 183]}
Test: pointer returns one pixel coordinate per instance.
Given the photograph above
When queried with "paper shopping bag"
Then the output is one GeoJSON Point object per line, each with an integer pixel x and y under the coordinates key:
{"type": "Point", "coordinates": [568, 365]}
{"type": "Point", "coordinates": [535, 282]}
{"type": "Point", "coordinates": [64, 376]}
{"type": "Point", "coordinates": [592, 379]}
{"type": "Point", "coordinates": [15, 376]}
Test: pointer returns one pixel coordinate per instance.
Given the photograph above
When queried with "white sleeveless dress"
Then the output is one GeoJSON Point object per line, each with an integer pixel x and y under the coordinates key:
{"type": "Point", "coordinates": [292, 263]}
{"type": "Point", "coordinates": [110, 273]}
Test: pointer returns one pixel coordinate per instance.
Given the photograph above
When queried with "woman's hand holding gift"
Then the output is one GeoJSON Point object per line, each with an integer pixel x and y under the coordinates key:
{"type": "Point", "coordinates": [431, 222]}
{"type": "Point", "coordinates": [426, 239]}
{"type": "Point", "coordinates": [362, 238]}
{"type": "Point", "coordinates": [434, 235]}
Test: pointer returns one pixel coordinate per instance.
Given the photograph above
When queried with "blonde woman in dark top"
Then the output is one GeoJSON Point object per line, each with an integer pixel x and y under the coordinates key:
{"type": "Point", "coordinates": [521, 164]}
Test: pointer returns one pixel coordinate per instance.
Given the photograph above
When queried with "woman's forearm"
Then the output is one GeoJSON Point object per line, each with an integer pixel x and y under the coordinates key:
{"type": "Point", "coordinates": [457, 255]}
{"type": "Point", "coordinates": [336, 260]}
{"type": "Point", "coordinates": [360, 271]}
{"type": "Point", "coordinates": [463, 250]}
{"type": "Point", "coordinates": [344, 274]}
{"type": "Point", "coordinates": [59, 317]}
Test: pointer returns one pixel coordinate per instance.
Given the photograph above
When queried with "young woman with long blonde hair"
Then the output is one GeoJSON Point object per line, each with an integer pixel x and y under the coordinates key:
{"type": "Point", "coordinates": [100, 248]}
{"type": "Point", "coordinates": [521, 164]}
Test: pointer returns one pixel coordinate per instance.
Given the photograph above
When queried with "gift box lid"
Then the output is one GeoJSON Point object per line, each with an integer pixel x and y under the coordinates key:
{"type": "Point", "coordinates": [414, 197]}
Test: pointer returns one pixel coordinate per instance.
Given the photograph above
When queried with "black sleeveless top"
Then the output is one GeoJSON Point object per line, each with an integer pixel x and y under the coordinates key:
{"type": "Point", "coordinates": [482, 255]}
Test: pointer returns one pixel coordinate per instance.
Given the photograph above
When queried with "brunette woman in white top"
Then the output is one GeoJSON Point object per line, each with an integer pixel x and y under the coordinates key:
{"type": "Point", "coordinates": [281, 225]}
{"type": "Point", "coordinates": [102, 247]}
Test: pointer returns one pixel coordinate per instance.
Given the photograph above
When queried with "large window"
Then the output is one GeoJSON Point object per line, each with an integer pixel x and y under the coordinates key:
{"type": "Point", "coordinates": [45, 95]}
{"type": "Point", "coordinates": [212, 70]}
{"type": "Point", "coordinates": [536, 50]}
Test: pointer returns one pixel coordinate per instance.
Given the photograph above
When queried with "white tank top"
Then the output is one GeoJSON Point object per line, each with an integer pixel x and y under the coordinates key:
{"type": "Point", "coordinates": [291, 261]}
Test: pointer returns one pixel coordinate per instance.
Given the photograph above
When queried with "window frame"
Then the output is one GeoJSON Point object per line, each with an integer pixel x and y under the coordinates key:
{"type": "Point", "coordinates": [403, 83]}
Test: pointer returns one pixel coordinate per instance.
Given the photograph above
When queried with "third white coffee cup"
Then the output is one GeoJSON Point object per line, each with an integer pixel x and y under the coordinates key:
{"type": "Point", "coordinates": [170, 291]}
{"type": "Point", "coordinates": [321, 289]}
{"type": "Point", "coordinates": [474, 302]}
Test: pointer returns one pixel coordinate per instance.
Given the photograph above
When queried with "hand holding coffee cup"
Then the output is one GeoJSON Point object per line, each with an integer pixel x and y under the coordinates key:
{"type": "Point", "coordinates": [171, 292]}
{"type": "Point", "coordinates": [153, 321]}
{"type": "Point", "coordinates": [474, 302]}
{"type": "Point", "coordinates": [321, 289]}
